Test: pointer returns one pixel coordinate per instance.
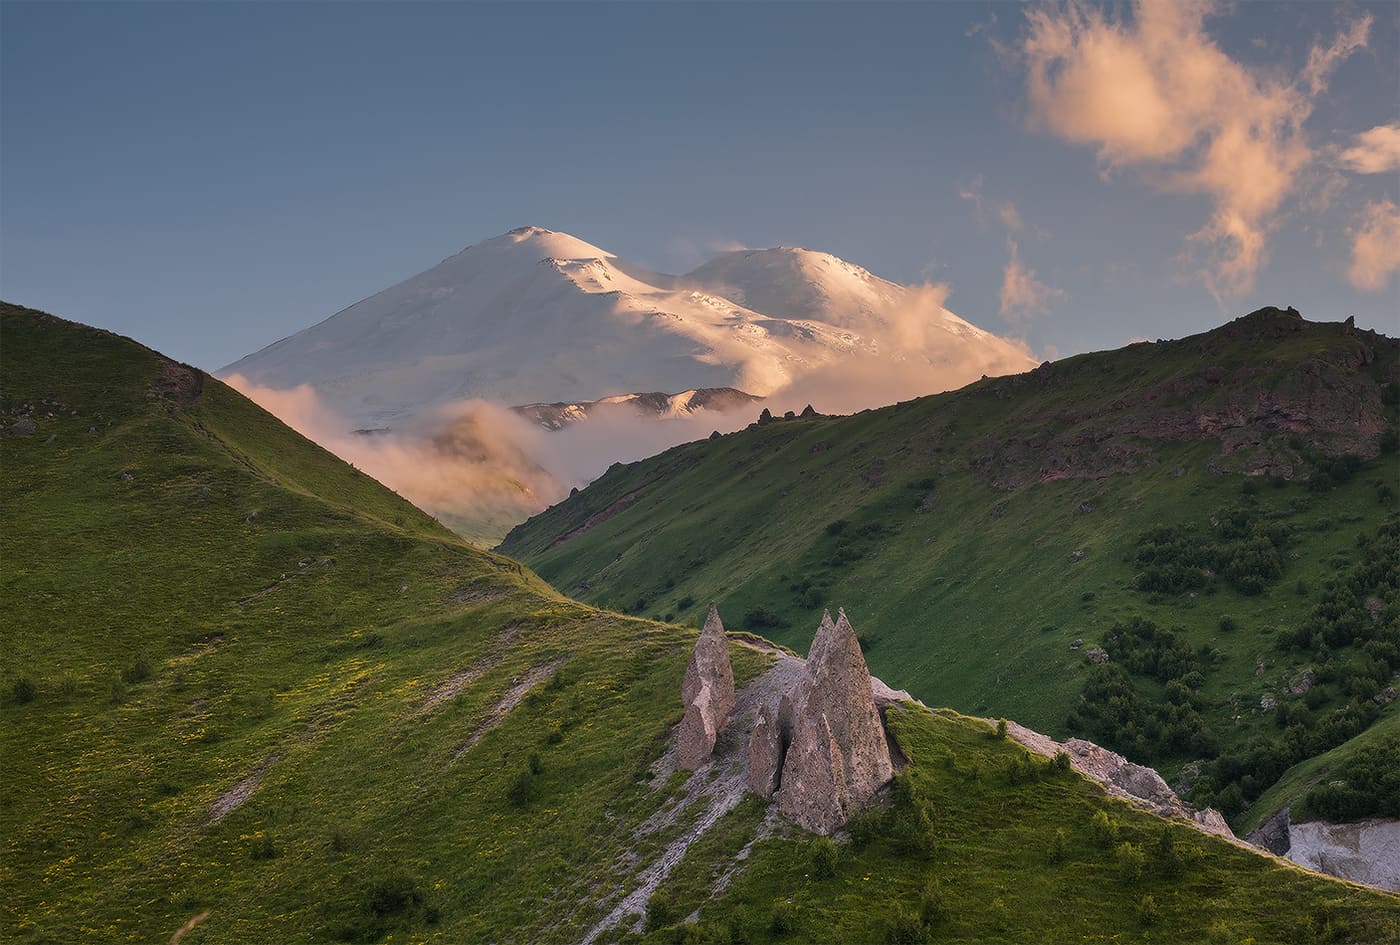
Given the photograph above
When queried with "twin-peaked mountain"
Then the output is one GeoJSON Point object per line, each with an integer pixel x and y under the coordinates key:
{"type": "Point", "coordinates": [540, 317]}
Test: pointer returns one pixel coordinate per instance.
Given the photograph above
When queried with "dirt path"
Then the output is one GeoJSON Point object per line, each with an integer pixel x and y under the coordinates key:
{"type": "Point", "coordinates": [514, 696]}
{"type": "Point", "coordinates": [183, 930]}
{"type": "Point", "coordinates": [715, 790]}
{"type": "Point", "coordinates": [233, 798]}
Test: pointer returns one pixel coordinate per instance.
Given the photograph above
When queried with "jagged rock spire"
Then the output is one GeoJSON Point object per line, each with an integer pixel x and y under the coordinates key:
{"type": "Point", "coordinates": [708, 695]}
{"type": "Point", "coordinates": [837, 758]}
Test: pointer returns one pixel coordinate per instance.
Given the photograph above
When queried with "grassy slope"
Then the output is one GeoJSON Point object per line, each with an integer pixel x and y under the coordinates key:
{"type": "Point", "coordinates": [974, 601]}
{"type": "Point", "coordinates": [1293, 787]}
{"type": "Point", "coordinates": [179, 645]}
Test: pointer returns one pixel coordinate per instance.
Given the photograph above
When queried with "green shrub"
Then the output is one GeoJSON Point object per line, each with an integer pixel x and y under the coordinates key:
{"type": "Point", "coordinates": [686, 602]}
{"type": "Point", "coordinates": [933, 910]}
{"type": "Point", "coordinates": [1228, 624]}
{"type": "Point", "coordinates": [393, 894]}
{"type": "Point", "coordinates": [23, 690]}
{"type": "Point", "coordinates": [1131, 862]}
{"type": "Point", "coordinates": [905, 927]}
{"type": "Point", "coordinates": [263, 848]}
{"type": "Point", "coordinates": [535, 764]}
{"type": "Point", "coordinates": [555, 736]}
{"type": "Point", "coordinates": [661, 912]}
{"type": "Point", "coordinates": [1001, 728]}
{"type": "Point", "coordinates": [1059, 846]}
{"type": "Point", "coordinates": [825, 857]}
{"type": "Point", "coordinates": [68, 686]}
{"type": "Point", "coordinates": [1147, 911]}
{"type": "Point", "coordinates": [1103, 830]}
{"type": "Point", "coordinates": [783, 917]}
{"type": "Point", "coordinates": [1060, 764]}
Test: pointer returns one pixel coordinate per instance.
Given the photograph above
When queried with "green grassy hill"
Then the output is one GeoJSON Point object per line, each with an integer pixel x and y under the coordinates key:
{"type": "Point", "coordinates": [251, 696]}
{"type": "Point", "coordinates": [986, 540]}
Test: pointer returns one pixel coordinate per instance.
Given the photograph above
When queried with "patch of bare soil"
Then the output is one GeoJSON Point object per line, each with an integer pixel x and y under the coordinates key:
{"type": "Point", "coordinates": [183, 930]}
{"type": "Point", "coordinates": [234, 797]}
{"type": "Point", "coordinates": [515, 695]}
{"type": "Point", "coordinates": [460, 680]}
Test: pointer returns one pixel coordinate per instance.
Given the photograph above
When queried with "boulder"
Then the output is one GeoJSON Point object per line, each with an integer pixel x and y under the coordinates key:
{"type": "Point", "coordinates": [707, 693]}
{"type": "Point", "coordinates": [837, 748]}
{"type": "Point", "coordinates": [23, 427]}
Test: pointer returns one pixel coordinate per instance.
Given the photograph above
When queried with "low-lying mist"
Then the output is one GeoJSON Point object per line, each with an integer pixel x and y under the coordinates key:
{"type": "Point", "coordinates": [481, 468]}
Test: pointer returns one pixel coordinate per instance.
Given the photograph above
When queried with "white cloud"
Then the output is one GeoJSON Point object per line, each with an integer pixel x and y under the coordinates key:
{"type": "Point", "coordinates": [1156, 93]}
{"type": "Point", "coordinates": [1023, 295]}
{"type": "Point", "coordinates": [1376, 151]}
{"type": "Point", "coordinates": [1375, 247]}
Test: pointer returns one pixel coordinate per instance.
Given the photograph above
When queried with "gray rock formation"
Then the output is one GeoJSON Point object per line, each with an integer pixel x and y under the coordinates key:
{"type": "Point", "coordinates": [1137, 784]}
{"type": "Point", "coordinates": [708, 695]}
{"type": "Point", "coordinates": [1110, 767]}
{"type": "Point", "coordinates": [1364, 852]}
{"type": "Point", "coordinates": [1272, 834]}
{"type": "Point", "coordinates": [836, 757]}
{"type": "Point", "coordinates": [765, 753]}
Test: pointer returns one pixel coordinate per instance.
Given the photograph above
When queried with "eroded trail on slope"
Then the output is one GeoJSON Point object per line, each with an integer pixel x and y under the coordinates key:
{"type": "Point", "coordinates": [709, 794]}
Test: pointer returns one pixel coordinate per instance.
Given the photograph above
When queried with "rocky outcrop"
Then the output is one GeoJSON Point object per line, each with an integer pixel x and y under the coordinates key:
{"type": "Point", "coordinates": [1137, 784]}
{"type": "Point", "coordinates": [825, 757]}
{"type": "Point", "coordinates": [1364, 852]}
{"type": "Point", "coordinates": [765, 753]}
{"type": "Point", "coordinates": [708, 695]}
{"type": "Point", "coordinates": [1272, 834]}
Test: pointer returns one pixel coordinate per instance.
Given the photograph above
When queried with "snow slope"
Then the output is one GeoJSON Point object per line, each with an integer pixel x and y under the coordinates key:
{"type": "Point", "coordinates": [535, 316]}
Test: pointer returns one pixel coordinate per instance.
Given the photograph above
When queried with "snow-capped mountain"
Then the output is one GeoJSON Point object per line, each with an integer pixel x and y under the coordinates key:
{"type": "Point", "coordinates": [653, 405]}
{"type": "Point", "coordinates": [535, 316]}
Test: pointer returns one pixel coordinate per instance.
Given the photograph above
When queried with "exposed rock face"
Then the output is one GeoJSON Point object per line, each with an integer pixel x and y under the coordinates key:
{"type": "Point", "coordinates": [708, 694]}
{"type": "Point", "coordinates": [1272, 834]}
{"type": "Point", "coordinates": [1122, 778]}
{"type": "Point", "coordinates": [1112, 768]}
{"type": "Point", "coordinates": [1364, 852]}
{"type": "Point", "coordinates": [836, 755]}
{"type": "Point", "coordinates": [765, 754]}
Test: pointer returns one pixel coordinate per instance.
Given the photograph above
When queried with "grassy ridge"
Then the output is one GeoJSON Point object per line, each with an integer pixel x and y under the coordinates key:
{"type": "Point", "coordinates": [984, 540]}
{"type": "Point", "coordinates": [426, 742]}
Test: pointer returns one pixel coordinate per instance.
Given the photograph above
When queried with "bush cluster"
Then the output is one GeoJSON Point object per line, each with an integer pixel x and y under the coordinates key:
{"type": "Point", "coordinates": [1241, 545]}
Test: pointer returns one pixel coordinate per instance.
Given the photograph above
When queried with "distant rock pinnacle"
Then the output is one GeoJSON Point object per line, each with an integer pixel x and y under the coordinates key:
{"type": "Point", "coordinates": [829, 737]}
{"type": "Point", "coordinates": [708, 695]}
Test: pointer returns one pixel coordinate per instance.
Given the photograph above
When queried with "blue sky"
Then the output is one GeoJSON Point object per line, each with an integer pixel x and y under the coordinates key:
{"type": "Point", "coordinates": [210, 177]}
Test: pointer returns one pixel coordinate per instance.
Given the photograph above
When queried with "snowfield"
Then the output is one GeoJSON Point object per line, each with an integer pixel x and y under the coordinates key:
{"type": "Point", "coordinates": [536, 316]}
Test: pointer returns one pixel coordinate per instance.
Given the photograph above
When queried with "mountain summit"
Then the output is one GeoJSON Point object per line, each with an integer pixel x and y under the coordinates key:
{"type": "Point", "coordinates": [537, 316]}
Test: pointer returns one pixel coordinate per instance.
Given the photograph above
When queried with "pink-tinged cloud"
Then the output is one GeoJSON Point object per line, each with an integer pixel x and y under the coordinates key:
{"type": "Point", "coordinates": [1155, 93]}
{"type": "Point", "coordinates": [1023, 295]}
{"type": "Point", "coordinates": [1375, 246]}
{"type": "Point", "coordinates": [1376, 151]}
